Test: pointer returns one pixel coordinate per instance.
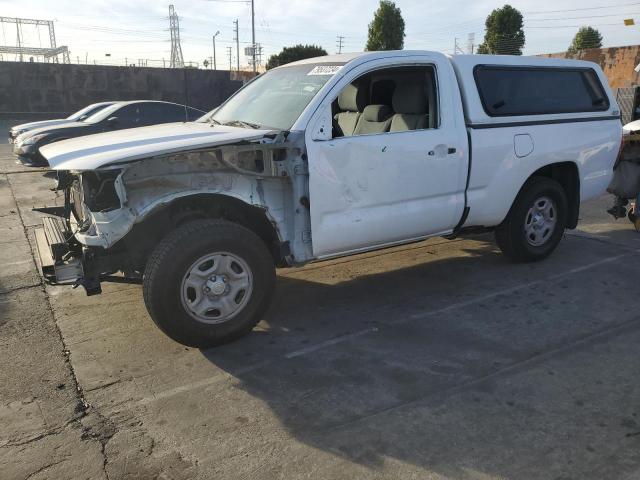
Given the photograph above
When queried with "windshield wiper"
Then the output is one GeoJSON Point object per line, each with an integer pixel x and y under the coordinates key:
{"type": "Point", "coordinates": [242, 123]}
{"type": "Point", "coordinates": [213, 121]}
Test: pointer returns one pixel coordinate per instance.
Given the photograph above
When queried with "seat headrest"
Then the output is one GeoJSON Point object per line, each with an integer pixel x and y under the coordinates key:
{"type": "Point", "coordinates": [353, 98]}
{"type": "Point", "coordinates": [410, 99]}
{"type": "Point", "coordinates": [377, 113]}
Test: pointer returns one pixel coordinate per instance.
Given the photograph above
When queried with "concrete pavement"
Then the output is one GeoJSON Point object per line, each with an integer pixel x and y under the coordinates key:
{"type": "Point", "coordinates": [438, 360]}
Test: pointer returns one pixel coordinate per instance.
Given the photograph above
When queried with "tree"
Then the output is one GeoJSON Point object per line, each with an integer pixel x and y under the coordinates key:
{"type": "Point", "coordinates": [386, 30]}
{"type": "Point", "coordinates": [587, 37]}
{"type": "Point", "coordinates": [504, 34]}
{"type": "Point", "coordinates": [292, 54]}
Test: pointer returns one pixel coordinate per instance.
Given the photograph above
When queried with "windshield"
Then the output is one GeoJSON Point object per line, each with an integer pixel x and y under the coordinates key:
{"type": "Point", "coordinates": [275, 99]}
{"type": "Point", "coordinates": [90, 109]}
{"type": "Point", "coordinates": [104, 113]}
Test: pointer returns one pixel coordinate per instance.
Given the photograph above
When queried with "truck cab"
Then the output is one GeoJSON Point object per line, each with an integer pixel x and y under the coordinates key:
{"type": "Point", "coordinates": [329, 157]}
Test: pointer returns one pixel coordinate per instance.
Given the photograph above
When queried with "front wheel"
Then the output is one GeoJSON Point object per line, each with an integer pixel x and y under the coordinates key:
{"type": "Point", "coordinates": [535, 224]}
{"type": "Point", "coordinates": [208, 282]}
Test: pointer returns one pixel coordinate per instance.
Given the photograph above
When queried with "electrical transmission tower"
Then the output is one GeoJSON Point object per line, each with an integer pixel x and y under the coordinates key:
{"type": "Point", "coordinates": [340, 43]}
{"type": "Point", "coordinates": [177, 61]}
{"type": "Point", "coordinates": [51, 53]}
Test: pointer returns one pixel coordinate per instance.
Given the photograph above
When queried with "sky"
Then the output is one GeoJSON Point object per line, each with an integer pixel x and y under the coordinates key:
{"type": "Point", "coordinates": [139, 29]}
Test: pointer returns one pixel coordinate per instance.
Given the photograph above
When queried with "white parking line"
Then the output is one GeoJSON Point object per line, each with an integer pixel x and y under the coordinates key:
{"type": "Point", "coordinates": [350, 336]}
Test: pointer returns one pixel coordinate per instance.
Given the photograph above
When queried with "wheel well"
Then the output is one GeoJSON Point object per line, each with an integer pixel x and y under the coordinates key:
{"type": "Point", "coordinates": [141, 240]}
{"type": "Point", "coordinates": [566, 174]}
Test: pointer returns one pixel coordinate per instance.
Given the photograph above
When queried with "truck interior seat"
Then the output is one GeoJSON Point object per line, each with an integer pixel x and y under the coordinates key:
{"type": "Point", "coordinates": [410, 106]}
{"type": "Point", "coordinates": [374, 119]}
{"type": "Point", "coordinates": [351, 101]}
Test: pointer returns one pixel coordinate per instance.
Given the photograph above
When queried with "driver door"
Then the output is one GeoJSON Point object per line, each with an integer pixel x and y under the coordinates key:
{"type": "Point", "coordinates": [373, 190]}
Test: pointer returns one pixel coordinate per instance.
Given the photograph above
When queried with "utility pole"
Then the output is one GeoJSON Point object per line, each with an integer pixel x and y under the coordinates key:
{"type": "Point", "coordinates": [339, 43]}
{"type": "Point", "coordinates": [230, 53]}
{"type": "Point", "coordinates": [253, 35]}
{"type": "Point", "coordinates": [237, 39]}
{"type": "Point", "coordinates": [214, 49]}
{"type": "Point", "coordinates": [18, 29]}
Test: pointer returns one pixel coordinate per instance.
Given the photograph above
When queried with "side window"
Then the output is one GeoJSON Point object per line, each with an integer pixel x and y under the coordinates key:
{"type": "Point", "coordinates": [194, 114]}
{"type": "Point", "coordinates": [128, 116]}
{"type": "Point", "coordinates": [389, 100]}
{"type": "Point", "coordinates": [508, 91]}
{"type": "Point", "coordinates": [166, 113]}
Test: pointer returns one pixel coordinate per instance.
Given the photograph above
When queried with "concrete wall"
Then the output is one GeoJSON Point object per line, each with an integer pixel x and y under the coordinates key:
{"type": "Point", "coordinates": [617, 62]}
{"type": "Point", "coordinates": [43, 89]}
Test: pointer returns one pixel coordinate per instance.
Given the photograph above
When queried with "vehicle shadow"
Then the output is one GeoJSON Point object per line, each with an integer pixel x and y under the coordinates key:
{"type": "Point", "coordinates": [433, 390]}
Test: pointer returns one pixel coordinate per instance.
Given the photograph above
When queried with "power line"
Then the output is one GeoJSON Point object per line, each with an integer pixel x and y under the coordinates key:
{"type": "Point", "coordinates": [581, 9]}
{"type": "Point", "coordinates": [580, 18]}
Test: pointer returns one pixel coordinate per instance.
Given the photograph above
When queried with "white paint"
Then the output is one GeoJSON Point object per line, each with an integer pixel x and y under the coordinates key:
{"type": "Point", "coordinates": [95, 151]}
{"type": "Point", "coordinates": [373, 190]}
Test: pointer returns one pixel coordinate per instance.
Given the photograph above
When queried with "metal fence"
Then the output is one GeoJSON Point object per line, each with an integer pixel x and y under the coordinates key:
{"type": "Point", "coordinates": [627, 101]}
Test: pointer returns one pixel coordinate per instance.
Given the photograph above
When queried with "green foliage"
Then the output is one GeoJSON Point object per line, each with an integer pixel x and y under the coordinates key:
{"type": "Point", "coordinates": [587, 37]}
{"type": "Point", "coordinates": [386, 30]}
{"type": "Point", "coordinates": [292, 54]}
{"type": "Point", "coordinates": [504, 34]}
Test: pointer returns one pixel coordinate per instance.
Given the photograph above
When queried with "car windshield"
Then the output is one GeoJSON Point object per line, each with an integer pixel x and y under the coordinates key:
{"type": "Point", "coordinates": [78, 115]}
{"type": "Point", "coordinates": [103, 114]}
{"type": "Point", "coordinates": [275, 99]}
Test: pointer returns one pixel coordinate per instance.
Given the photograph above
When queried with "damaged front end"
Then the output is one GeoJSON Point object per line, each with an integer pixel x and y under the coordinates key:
{"type": "Point", "coordinates": [115, 215]}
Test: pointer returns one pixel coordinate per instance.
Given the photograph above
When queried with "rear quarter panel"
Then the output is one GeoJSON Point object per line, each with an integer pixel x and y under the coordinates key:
{"type": "Point", "coordinates": [497, 174]}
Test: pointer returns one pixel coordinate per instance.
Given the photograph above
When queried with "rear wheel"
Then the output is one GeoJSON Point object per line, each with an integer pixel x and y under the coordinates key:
{"type": "Point", "coordinates": [208, 282]}
{"type": "Point", "coordinates": [535, 224]}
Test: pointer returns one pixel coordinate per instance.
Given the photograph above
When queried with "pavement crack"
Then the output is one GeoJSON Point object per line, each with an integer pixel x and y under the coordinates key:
{"type": "Point", "coordinates": [104, 385]}
{"type": "Point", "coordinates": [44, 468]}
{"type": "Point", "coordinates": [22, 287]}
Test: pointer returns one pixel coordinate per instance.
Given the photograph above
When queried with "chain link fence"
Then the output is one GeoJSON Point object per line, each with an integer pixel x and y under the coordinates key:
{"type": "Point", "coordinates": [627, 101]}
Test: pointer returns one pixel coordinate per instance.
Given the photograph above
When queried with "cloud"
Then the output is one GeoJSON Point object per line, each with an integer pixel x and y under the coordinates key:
{"type": "Point", "coordinates": [139, 28]}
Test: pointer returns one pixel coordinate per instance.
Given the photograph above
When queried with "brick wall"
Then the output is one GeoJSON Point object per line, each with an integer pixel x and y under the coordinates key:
{"type": "Point", "coordinates": [617, 62]}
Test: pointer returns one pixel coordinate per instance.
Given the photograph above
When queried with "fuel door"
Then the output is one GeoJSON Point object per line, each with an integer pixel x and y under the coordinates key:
{"type": "Point", "coordinates": [522, 145]}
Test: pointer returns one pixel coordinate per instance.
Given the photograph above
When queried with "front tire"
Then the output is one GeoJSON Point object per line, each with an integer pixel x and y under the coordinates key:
{"type": "Point", "coordinates": [536, 222]}
{"type": "Point", "coordinates": [208, 282]}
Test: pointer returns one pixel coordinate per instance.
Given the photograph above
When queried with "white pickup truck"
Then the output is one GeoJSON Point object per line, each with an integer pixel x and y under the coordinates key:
{"type": "Point", "coordinates": [329, 157]}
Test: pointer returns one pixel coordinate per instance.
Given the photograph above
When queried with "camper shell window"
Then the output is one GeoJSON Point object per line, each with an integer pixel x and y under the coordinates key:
{"type": "Point", "coordinates": [511, 91]}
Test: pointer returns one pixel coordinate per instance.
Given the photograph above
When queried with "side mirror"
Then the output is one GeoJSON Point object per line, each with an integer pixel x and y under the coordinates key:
{"type": "Point", "coordinates": [322, 128]}
{"type": "Point", "coordinates": [83, 117]}
{"type": "Point", "coordinates": [113, 122]}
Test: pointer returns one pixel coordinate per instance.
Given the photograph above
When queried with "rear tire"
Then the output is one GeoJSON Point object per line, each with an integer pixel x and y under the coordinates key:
{"type": "Point", "coordinates": [208, 283]}
{"type": "Point", "coordinates": [536, 222]}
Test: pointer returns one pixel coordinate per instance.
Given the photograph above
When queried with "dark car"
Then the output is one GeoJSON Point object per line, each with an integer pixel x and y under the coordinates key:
{"type": "Point", "coordinates": [78, 116]}
{"type": "Point", "coordinates": [119, 116]}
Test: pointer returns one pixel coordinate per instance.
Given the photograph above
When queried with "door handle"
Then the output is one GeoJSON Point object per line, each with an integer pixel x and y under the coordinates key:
{"type": "Point", "coordinates": [441, 149]}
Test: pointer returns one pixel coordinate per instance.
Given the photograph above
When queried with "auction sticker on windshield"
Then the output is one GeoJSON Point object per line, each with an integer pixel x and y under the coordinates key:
{"type": "Point", "coordinates": [325, 70]}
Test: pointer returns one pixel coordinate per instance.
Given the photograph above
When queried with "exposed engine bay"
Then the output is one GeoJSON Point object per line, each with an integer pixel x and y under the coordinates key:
{"type": "Point", "coordinates": [115, 215]}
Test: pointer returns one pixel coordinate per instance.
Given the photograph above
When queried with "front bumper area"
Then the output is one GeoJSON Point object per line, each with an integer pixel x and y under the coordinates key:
{"type": "Point", "coordinates": [24, 150]}
{"type": "Point", "coordinates": [62, 261]}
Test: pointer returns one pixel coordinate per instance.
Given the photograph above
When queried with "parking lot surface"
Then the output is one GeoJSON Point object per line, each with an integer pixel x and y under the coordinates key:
{"type": "Point", "coordinates": [437, 360]}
